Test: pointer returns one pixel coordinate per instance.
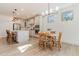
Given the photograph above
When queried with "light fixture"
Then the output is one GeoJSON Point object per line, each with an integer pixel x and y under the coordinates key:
{"type": "Point", "coordinates": [15, 14]}
{"type": "Point", "coordinates": [14, 11]}
{"type": "Point", "coordinates": [51, 10]}
{"type": "Point", "coordinates": [57, 8]}
{"type": "Point", "coordinates": [46, 12]}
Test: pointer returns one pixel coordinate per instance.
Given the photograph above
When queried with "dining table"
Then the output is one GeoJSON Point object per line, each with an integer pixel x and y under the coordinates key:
{"type": "Point", "coordinates": [50, 39]}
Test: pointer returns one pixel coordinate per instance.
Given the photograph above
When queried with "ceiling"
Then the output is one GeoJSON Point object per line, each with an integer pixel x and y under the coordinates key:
{"type": "Point", "coordinates": [28, 9]}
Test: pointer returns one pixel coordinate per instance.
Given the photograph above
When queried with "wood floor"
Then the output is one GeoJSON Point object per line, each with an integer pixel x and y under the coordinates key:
{"type": "Point", "coordinates": [34, 50]}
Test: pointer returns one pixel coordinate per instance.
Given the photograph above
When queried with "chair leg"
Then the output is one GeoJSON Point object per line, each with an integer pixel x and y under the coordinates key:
{"type": "Point", "coordinates": [51, 45]}
{"type": "Point", "coordinates": [59, 46]}
{"type": "Point", "coordinates": [41, 45]}
{"type": "Point", "coordinates": [44, 44]}
{"type": "Point", "coordinates": [10, 41]}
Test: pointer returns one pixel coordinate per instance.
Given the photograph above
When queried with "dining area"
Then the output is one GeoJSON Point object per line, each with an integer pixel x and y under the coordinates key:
{"type": "Point", "coordinates": [50, 40]}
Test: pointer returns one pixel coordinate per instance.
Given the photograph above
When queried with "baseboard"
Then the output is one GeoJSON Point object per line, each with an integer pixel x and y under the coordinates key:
{"type": "Point", "coordinates": [71, 44]}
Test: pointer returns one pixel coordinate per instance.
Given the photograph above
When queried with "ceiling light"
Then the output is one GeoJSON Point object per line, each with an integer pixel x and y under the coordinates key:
{"type": "Point", "coordinates": [51, 10]}
{"type": "Point", "coordinates": [57, 8]}
{"type": "Point", "coordinates": [46, 12]}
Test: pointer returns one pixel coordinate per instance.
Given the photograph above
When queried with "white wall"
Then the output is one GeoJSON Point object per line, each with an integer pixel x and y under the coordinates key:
{"type": "Point", "coordinates": [69, 29]}
{"type": "Point", "coordinates": [5, 23]}
{"type": "Point", "coordinates": [37, 19]}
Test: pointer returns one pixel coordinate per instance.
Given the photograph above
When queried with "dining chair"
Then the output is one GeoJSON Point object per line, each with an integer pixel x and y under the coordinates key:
{"type": "Point", "coordinates": [45, 39]}
{"type": "Point", "coordinates": [42, 40]}
{"type": "Point", "coordinates": [9, 37]}
{"type": "Point", "coordinates": [50, 40]}
{"type": "Point", "coordinates": [59, 40]}
{"type": "Point", "coordinates": [14, 37]}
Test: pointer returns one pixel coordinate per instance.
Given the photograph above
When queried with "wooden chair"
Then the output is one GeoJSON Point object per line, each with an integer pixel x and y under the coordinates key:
{"type": "Point", "coordinates": [50, 41]}
{"type": "Point", "coordinates": [45, 39]}
{"type": "Point", "coordinates": [14, 37]}
{"type": "Point", "coordinates": [59, 40]}
{"type": "Point", "coordinates": [42, 40]}
{"type": "Point", "coordinates": [9, 37]}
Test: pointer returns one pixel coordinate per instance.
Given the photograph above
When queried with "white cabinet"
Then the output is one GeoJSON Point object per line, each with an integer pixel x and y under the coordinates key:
{"type": "Point", "coordinates": [22, 36]}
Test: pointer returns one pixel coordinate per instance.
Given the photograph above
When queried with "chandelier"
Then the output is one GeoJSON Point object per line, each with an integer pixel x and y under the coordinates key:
{"type": "Point", "coordinates": [50, 10]}
{"type": "Point", "coordinates": [15, 14]}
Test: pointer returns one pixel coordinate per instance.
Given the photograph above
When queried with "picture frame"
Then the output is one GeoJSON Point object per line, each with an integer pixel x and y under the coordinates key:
{"type": "Point", "coordinates": [67, 16]}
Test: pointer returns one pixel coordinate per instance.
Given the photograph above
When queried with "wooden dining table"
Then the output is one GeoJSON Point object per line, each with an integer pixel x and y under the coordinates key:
{"type": "Point", "coordinates": [49, 39]}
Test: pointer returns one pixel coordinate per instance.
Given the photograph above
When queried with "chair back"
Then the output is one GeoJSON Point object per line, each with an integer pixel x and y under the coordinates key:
{"type": "Point", "coordinates": [59, 36]}
{"type": "Point", "coordinates": [8, 33]}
